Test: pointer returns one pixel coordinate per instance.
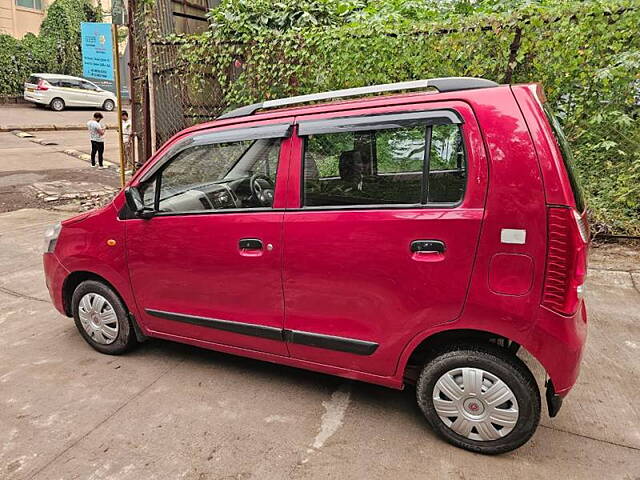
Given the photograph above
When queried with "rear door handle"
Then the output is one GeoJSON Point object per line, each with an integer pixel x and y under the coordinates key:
{"type": "Point", "coordinates": [427, 246]}
{"type": "Point", "coordinates": [250, 244]}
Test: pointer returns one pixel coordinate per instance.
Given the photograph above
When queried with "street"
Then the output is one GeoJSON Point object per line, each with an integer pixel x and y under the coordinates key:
{"type": "Point", "coordinates": [38, 118]}
{"type": "Point", "coordinates": [168, 410]}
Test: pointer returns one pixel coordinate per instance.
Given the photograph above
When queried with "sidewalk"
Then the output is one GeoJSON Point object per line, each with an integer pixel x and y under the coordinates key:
{"type": "Point", "coordinates": [78, 141]}
{"type": "Point", "coordinates": [31, 118]}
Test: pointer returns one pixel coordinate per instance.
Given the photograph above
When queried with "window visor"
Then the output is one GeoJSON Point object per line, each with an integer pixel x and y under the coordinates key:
{"type": "Point", "coordinates": [378, 122]}
{"type": "Point", "coordinates": [279, 130]}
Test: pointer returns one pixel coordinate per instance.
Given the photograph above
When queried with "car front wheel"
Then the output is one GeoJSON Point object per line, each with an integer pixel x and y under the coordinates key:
{"type": "Point", "coordinates": [102, 318]}
{"type": "Point", "coordinates": [108, 105]}
{"type": "Point", "coordinates": [480, 398]}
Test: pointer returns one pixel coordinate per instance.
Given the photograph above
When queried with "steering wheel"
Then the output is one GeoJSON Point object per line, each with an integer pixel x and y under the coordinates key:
{"type": "Point", "coordinates": [262, 189]}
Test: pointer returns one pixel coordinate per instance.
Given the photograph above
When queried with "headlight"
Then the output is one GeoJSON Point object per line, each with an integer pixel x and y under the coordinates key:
{"type": "Point", "coordinates": [51, 237]}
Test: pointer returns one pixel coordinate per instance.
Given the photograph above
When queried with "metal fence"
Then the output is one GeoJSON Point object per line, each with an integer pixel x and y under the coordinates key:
{"type": "Point", "coordinates": [163, 102]}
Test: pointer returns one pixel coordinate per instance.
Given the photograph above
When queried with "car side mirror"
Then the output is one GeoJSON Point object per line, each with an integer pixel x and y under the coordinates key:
{"type": "Point", "coordinates": [135, 204]}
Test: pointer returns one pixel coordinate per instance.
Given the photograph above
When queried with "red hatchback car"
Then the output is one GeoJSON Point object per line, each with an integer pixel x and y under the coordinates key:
{"type": "Point", "coordinates": [409, 238]}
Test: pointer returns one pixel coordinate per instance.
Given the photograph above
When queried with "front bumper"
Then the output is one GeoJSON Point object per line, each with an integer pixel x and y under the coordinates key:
{"type": "Point", "coordinates": [55, 275]}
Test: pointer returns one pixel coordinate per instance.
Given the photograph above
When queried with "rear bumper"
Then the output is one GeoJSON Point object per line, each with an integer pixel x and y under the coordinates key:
{"type": "Point", "coordinates": [558, 343]}
{"type": "Point", "coordinates": [35, 98]}
{"type": "Point", "coordinates": [554, 401]}
{"type": "Point", "coordinates": [55, 275]}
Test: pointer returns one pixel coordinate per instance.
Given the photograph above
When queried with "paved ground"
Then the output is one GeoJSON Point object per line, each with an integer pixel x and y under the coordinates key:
{"type": "Point", "coordinates": [173, 411]}
{"type": "Point", "coordinates": [23, 163]}
{"type": "Point", "coordinates": [28, 115]}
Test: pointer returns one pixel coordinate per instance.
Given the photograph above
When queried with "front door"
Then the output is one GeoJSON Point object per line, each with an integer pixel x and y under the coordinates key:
{"type": "Point", "coordinates": [207, 266]}
{"type": "Point", "coordinates": [382, 243]}
{"type": "Point", "coordinates": [91, 96]}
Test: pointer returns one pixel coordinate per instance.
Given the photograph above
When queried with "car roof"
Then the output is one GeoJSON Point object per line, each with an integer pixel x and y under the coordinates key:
{"type": "Point", "coordinates": [59, 76]}
{"type": "Point", "coordinates": [341, 100]}
{"type": "Point", "coordinates": [441, 85]}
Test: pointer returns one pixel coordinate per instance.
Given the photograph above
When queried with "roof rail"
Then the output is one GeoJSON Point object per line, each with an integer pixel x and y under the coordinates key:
{"type": "Point", "coordinates": [446, 84]}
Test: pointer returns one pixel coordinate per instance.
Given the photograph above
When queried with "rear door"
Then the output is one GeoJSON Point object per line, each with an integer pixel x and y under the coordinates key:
{"type": "Point", "coordinates": [69, 89]}
{"type": "Point", "coordinates": [381, 236]}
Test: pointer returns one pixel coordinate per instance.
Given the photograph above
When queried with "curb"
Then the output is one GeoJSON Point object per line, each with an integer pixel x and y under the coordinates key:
{"type": "Point", "coordinates": [49, 128]}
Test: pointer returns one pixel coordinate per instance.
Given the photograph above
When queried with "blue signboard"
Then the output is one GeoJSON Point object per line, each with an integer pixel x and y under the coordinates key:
{"type": "Point", "coordinates": [97, 50]}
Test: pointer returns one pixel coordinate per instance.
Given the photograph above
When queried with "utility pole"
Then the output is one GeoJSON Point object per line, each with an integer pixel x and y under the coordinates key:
{"type": "Point", "coordinates": [118, 18]}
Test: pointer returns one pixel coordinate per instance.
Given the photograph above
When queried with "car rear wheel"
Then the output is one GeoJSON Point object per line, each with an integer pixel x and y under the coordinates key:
{"type": "Point", "coordinates": [102, 318]}
{"type": "Point", "coordinates": [57, 104]}
{"type": "Point", "coordinates": [108, 105]}
{"type": "Point", "coordinates": [480, 398]}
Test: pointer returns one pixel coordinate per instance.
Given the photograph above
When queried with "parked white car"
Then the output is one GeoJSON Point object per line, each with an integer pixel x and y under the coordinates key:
{"type": "Point", "coordinates": [60, 91]}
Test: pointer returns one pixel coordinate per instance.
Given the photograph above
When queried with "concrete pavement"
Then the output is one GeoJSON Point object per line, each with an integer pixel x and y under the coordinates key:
{"type": "Point", "coordinates": [170, 411]}
{"type": "Point", "coordinates": [31, 118]}
{"type": "Point", "coordinates": [23, 164]}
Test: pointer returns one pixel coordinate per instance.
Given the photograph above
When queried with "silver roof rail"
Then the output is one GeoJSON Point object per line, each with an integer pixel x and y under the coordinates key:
{"type": "Point", "coordinates": [446, 84]}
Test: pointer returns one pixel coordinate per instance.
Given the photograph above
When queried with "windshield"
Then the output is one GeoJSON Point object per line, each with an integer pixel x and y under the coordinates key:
{"type": "Point", "coordinates": [567, 157]}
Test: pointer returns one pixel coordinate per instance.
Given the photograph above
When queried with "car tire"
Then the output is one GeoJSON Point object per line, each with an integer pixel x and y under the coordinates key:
{"type": "Point", "coordinates": [57, 104]}
{"type": "Point", "coordinates": [102, 318]}
{"type": "Point", "coordinates": [108, 105]}
{"type": "Point", "coordinates": [472, 416]}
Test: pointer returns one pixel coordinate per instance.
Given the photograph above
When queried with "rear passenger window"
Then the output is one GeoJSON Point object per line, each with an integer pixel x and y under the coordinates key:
{"type": "Point", "coordinates": [67, 83]}
{"type": "Point", "coordinates": [385, 167]}
{"type": "Point", "coordinates": [447, 175]}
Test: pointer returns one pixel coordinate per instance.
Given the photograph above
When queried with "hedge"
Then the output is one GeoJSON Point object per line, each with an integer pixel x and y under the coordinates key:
{"type": "Point", "coordinates": [586, 55]}
{"type": "Point", "coordinates": [55, 50]}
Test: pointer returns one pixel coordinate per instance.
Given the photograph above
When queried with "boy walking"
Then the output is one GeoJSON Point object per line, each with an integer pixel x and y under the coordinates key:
{"type": "Point", "coordinates": [96, 134]}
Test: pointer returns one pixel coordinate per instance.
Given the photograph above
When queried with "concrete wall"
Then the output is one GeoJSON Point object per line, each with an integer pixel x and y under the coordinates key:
{"type": "Point", "coordinates": [17, 21]}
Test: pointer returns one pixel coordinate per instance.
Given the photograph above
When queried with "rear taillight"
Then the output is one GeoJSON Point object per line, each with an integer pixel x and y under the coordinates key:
{"type": "Point", "coordinates": [566, 260]}
{"type": "Point", "coordinates": [42, 85]}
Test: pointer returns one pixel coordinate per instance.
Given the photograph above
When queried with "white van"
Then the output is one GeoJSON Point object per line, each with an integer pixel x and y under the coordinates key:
{"type": "Point", "coordinates": [60, 91]}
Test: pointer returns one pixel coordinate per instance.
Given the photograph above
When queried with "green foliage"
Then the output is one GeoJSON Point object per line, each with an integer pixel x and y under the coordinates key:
{"type": "Point", "coordinates": [55, 50]}
{"type": "Point", "coordinates": [62, 27]}
{"type": "Point", "coordinates": [586, 54]}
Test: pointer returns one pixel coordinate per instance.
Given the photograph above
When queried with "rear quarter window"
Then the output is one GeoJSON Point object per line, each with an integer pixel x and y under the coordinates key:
{"type": "Point", "coordinates": [567, 157]}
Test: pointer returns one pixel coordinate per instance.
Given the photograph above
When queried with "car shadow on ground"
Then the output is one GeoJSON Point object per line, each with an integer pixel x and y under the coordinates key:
{"type": "Point", "coordinates": [376, 397]}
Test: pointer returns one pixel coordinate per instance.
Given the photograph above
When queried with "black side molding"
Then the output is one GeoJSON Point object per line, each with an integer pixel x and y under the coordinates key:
{"type": "Point", "coordinates": [340, 344]}
{"type": "Point", "coordinates": [272, 333]}
{"type": "Point", "coordinates": [329, 342]}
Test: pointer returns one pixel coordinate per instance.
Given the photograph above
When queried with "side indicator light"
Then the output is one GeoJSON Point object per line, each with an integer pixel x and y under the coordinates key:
{"type": "Point", "coordinates": [111, 242]}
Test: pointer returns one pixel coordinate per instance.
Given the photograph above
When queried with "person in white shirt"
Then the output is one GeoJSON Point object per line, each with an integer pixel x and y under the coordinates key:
{"type": "Point", "coordinates": [96, 134]}
{"type": "Point", "coordinates": [126, 127]}
{"type": "Point", "coordinates": [126, 139]}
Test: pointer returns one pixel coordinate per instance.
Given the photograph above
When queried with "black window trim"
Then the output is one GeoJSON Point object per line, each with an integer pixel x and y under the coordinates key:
{"type": "Point", "coordinates": [196, 140]}
{"type": "Point", "coordinates": [396, 206]}
{"type": "Point", "coordinates": [211, 137]}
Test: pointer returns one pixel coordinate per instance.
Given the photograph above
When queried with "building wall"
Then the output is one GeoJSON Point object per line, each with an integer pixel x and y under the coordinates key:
{"type": "Point", "coordinates": [17, 21]}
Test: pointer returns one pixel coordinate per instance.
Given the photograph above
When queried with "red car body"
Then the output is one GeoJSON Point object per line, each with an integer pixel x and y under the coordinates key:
{"type": "Point", "coordinates": [332, 274]}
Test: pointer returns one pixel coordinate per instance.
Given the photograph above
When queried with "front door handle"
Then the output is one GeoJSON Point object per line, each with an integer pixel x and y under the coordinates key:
{"type": "Point", "coordinates": [427, 246]}
{"type": "Point", "coordinates": [250, 244]}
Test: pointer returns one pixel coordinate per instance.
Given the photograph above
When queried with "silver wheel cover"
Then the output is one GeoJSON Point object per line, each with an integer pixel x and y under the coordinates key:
{"type": "Point", "coordinates": [475, 404]}
{"type": "Point", "coordinates": [98, 318]}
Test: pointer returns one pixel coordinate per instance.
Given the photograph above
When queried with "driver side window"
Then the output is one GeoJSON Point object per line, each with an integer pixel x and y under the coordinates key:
{"type": "Point", "coordinates": [216, 176]}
